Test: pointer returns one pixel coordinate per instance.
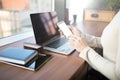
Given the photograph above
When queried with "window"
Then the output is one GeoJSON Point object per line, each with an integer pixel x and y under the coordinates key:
{"type": "Point", "coordinates": [15, 20]}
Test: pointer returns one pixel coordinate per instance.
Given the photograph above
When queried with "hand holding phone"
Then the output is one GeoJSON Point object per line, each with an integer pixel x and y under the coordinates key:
{"type": "Point", "coordinates": [64, 28]}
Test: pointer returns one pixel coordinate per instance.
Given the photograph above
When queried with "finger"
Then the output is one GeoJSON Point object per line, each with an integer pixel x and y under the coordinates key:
{"type": "Point", "coordinates": [71, 42]}
{"type": "Point", "coordinates": [72, 38]}
{"type": "Point", "coordinates": [76, 40]}
{"type": "Point", "coordinates": [71, 28]}
{"type": "Point", "coordinates": [61, 33]}
{"type": "Point", "coordinates": [77, 37]}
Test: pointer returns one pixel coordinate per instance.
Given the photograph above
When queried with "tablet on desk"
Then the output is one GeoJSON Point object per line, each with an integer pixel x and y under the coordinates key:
{"type": "Point", "coordinates": [36, 63]}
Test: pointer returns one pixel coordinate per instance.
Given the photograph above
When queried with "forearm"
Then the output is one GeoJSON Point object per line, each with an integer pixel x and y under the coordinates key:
{"type": "Point", "coordinates": [92, 41]}
{"type": "Point", "coordinates": [99, 63]}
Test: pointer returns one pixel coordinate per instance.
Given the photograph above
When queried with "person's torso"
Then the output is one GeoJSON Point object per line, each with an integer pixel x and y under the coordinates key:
{"type": "Point", "coordinates": [109, 40]}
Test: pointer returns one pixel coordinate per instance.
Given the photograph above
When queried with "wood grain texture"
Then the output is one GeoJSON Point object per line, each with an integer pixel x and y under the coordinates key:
{"type": "Point", "coordinates": [60, 67]}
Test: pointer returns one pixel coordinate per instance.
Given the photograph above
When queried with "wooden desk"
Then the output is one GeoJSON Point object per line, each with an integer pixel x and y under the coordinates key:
{"type": "Point", "coordinates": [60, 67]}
{"type": "Point", "coordinates": [92, 27]}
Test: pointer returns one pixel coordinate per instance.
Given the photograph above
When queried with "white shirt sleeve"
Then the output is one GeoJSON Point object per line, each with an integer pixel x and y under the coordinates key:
{"type": "Point", "coordinates": [117, 65]}
{"type": "Point", "coordinates": [104, 66]}
{"type": "Point", "coordinates": [109, 68]}
{"type": "Point", "coordinates": [92, 40]}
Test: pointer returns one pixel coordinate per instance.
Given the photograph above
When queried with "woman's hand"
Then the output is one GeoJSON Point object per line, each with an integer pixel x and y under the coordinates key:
{"type": "Point", "coordinates": [74, 30]}
{"type": "Point", "coordinates": [61, 33]}
{"type": "Point", "coordinates": [77, 42]}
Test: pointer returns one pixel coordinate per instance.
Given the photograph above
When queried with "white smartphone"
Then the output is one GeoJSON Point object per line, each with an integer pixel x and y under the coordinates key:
{"type": "Point", "coordinates": [64, 28]}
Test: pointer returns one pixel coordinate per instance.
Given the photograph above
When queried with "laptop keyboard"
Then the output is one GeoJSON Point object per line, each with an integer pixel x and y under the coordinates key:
{"type": "Point", "coordinates": [57, 43]}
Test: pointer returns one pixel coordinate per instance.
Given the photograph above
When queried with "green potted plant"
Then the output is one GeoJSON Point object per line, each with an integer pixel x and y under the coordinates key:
{"type": "Point", "coordinates": [113, 4]}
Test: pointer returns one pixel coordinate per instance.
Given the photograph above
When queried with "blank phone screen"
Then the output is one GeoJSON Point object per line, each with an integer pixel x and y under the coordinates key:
{"type": "Point", "coordinates": [66, 31]}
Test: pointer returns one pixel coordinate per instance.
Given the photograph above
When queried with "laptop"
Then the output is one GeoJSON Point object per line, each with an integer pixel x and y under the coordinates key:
{"type": "Point", "coordinates": [46, 33]}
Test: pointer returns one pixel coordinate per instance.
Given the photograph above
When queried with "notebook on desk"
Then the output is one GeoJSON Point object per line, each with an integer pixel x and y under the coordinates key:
{"type": "Point", "coordinates": [47, 34]}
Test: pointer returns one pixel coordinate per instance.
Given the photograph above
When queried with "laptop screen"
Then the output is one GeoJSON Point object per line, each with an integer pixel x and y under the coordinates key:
{"type": "Point", "coordinates": [44, 26]}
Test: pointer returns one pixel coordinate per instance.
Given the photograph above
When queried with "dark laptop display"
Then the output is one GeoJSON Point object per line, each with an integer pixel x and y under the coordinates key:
{"type": "Point", "coordinates": [45, 26]}
{"type": "Point", "coordinates": [47, 34]}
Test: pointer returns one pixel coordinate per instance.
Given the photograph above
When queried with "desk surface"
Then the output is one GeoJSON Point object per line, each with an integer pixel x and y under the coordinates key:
{"type": "Point", "coordinates": [60, 67]}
